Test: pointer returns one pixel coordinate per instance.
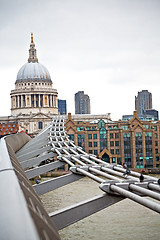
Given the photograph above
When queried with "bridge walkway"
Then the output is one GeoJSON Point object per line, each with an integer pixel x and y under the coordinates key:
{"type": "Point", "coordinates": [113, 179]}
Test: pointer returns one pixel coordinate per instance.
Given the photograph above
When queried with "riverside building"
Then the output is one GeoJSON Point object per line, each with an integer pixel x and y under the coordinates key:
{"type": "Point", "coordinates": [134, 141]}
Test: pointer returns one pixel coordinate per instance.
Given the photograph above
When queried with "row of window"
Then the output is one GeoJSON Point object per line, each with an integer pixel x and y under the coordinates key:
{"type": "Point", "coordinates": [4, 126]}
{"type": "Point", "coordinates": [90, 144]}
{"type": "Point", "coordinates": [112, 135]}
{"type": "Point", "coordinates": [94, 136]}
{"type": "Point", "coordinates": [95, 152]}
{"type": "Point", "coordinates": [116, 135]}
{"type": "Point", "coordinates": [6, 129]}
{"type": "Point", "coordinates": [112, 143]}
{"type": "Point", "coordinates": [114, 151]}
{"type": "Point", "coordinates": [25, 84]}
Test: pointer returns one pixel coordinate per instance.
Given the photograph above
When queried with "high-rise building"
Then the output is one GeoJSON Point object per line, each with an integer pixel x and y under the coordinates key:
{"type": "Point", "coordinates": [82, 103]}
{"type": "Point", "coordinates": [152, 113]}
{"type": "Point", "coordinates": [143, 101]}
{"type": "Point", "coordinates": [62, 107]}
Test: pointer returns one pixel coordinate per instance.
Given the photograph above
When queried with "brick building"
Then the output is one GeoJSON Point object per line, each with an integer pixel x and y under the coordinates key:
{"type": "Point", "coordinates": [8, 128]}
{"type": "Point", "coordinates": [134, 141]}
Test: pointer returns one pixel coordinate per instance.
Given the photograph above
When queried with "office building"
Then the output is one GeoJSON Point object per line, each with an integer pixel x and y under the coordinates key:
{"type": "Point", "coordinates": [143, 101]}
{"type": "Point", "coordinates": [152, 113]}
{"type": "Point", "coordinates": [62, 107]}
{"type": "Point", "coordinates": [82, 103]}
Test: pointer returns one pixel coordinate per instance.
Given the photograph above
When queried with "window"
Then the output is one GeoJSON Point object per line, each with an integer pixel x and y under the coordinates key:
{"type": "Point", "coordinates": [117, 143]}
{"type": "Point", "coordinates": [81, 141]}
{"type": "Point", "coordinates": [90, 144]}
{"type": "Point", "coordinates": [95, 152]}
{"type": "Point", "coordinates": [80, 128]}
{"type": "Point", "coordinates": [89, 136]}
{"type": "Point", "coordinates": [155, 128]}
{"type": "Point", "coordinates": [117, 151]}
{"type": "Point", "coordinates": [90, 151]}
{"type": "Point", "coordinates": [155, 135]}
{"type": "Point", "coordinates": [116, 135]}
{"type": "Point", "coordinates": [156, 150]}
{"type": "Point", "coordinates": [112, 151]}
{"type": "Point", "coordinates": [103, 133]}
{"type": "Point", "coordinates": [157, 158]}
{"type": "Point", "coordinates": [124, 127]}
{"type": "Point", "coordinates": [146, 126]}
{"type": "Point", "coordinates": [119, 161]}
{"type": "Point", "coordinates": [71, 137]}
{"type": "Point", "coordinates": [112, 143]}
{"type": "Point", "coordinates": [95, 136]}
{"type": "Point", "coordinates": [148, 134]}
{"type": "Point", "coordinates": [156, 143]}
{"type": "Point", "coordinates": [138, 134]}
{"type": "Point", "coordinates": [40, 125]}
{"type": "Point", "coordinates": [111, 135]}
{"type": "Point", "coordinates": [95, 144]}
{"type": "Point", "coordinates": [126, 135]}
{"type": "Point", "coordinates": [101, 124]}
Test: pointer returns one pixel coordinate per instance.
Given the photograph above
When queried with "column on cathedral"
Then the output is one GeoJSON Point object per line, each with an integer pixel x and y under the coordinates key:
{"type": "Point", "coordinates": [39, 100]}
{"type": "Point", "coordinates": [11, 102]}
{"type": "Point", "coordinates": [18, 101]}
{"type": "Point", "coordinates": [22, 104]}
{"type": "Point", "coordinates": [54, 102]}
{"type": "Point", "coordinates": [34, 100]}
{"type": "Point", "coordinates": [51, 103]}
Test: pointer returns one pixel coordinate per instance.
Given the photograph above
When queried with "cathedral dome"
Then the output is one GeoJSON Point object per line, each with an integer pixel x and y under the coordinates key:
{"type": "Point", "coordinates": [33, 70]}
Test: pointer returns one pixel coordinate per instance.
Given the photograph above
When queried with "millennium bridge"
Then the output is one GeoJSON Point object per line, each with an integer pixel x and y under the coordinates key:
{"type": "Point", "coordinates": [22, 215]}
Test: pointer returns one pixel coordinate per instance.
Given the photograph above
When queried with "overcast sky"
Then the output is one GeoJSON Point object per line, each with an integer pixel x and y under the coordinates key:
{"type": "Point", "coordinates": [110, 49]}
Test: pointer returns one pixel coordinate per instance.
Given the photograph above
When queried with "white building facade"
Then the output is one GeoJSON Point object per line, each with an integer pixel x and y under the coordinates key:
{"type": "Point", "coordinates": [33, 91]}
{"type": "Point", "coordinates": [33, 101]}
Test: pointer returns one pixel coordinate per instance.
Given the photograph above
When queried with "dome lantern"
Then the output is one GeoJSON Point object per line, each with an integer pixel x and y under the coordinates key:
{"type": "Point", "coordinates": [33, 70]}
{"type": "Point", "coordinates": [32, 51]}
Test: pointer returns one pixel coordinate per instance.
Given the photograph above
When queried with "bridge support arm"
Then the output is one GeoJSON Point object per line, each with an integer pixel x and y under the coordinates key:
{"type": "Point", "coordinates": [31, 173]}
{"type": "Point", "coordinates": [55, 183]}
{"type": "Point", "coordinates": [67, 216]}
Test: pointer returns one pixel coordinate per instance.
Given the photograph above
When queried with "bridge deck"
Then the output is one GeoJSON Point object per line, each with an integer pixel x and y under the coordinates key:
{"type": "Point", "coordinates": [38, 155]}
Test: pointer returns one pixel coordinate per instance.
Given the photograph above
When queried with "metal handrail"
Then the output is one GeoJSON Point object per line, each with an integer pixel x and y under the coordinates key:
{"type": "Point", "coordinates": [15, 219]}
